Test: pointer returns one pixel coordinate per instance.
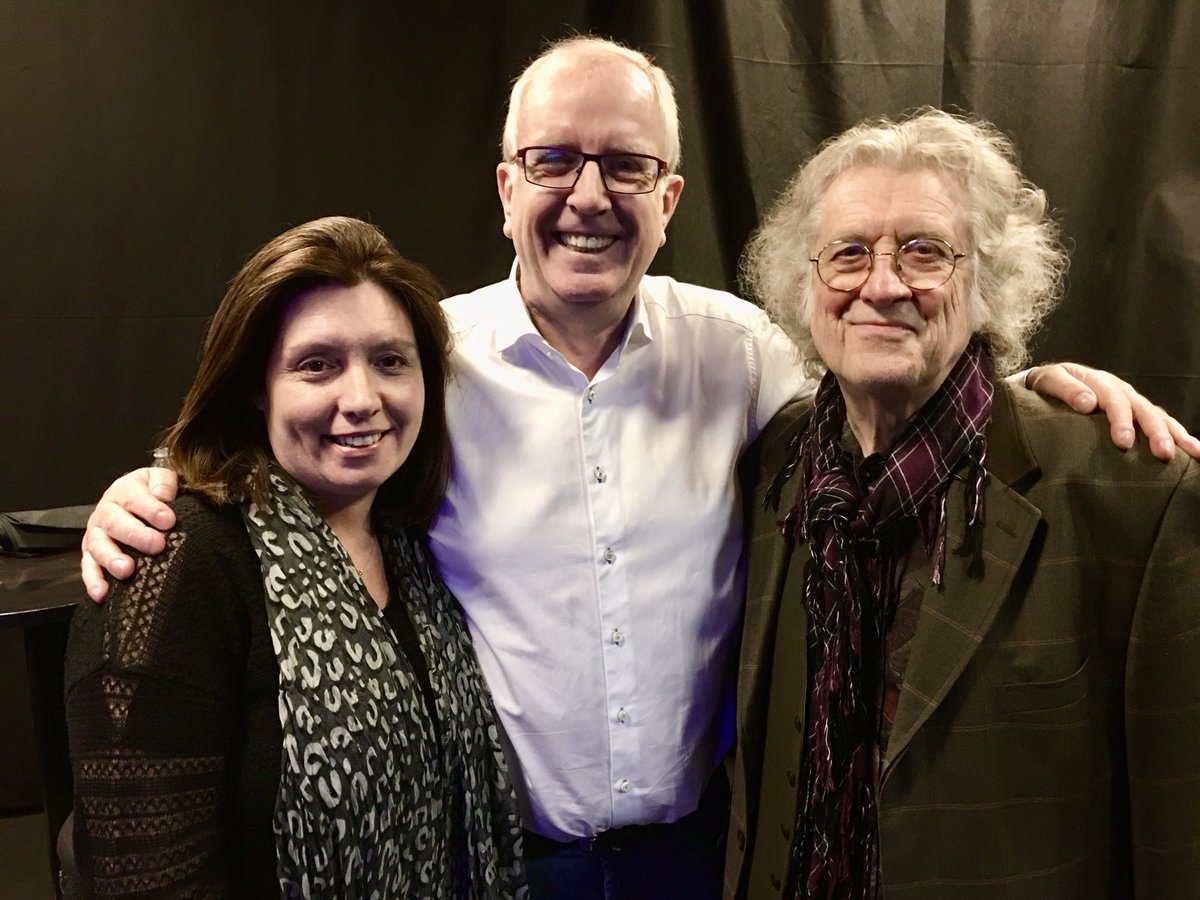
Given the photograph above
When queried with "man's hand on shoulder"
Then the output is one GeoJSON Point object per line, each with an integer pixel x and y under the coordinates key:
{"type": "Point", "coordinates": [1087, 390]}
{"type": "Point", "coordinates": [121, 516]}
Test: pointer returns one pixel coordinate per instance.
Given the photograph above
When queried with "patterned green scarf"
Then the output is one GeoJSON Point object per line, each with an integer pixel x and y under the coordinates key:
{"type": "Point", "coordinates": [379, 797]}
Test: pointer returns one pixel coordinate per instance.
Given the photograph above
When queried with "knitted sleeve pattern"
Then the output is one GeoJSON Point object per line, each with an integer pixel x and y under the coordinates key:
{"type": "Point", "coordinates": [154, 679]}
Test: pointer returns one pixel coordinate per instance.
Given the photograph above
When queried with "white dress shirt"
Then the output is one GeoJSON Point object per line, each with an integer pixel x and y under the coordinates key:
{"type": "Point", "coordinates": [592, 532]}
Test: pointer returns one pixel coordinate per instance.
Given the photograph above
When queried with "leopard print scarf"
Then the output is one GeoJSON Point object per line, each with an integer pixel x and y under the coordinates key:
{"type": "Point", "coordinates": [375, 799]}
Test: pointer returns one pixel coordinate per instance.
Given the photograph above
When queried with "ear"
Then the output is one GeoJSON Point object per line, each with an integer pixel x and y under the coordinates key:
{"type": "Point", "coordinates": [672, 188]}
{"type": "Point", "coordinates": [505, 179]}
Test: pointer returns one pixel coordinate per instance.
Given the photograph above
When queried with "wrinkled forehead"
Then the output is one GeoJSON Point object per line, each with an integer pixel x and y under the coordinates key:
{"type": "Point", "coordinates": [591, 94]}
{"type": "Point", "coordinates": [869, 202]}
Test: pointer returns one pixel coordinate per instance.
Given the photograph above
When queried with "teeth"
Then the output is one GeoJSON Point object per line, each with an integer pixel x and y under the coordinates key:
{"type": "Point", "coordinates": [587, 241]}
{"type": "Point", "coordinates": [357, 440]}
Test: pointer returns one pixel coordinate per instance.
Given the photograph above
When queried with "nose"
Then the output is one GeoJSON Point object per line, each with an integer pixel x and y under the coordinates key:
{"type": "Point", "coordinates": [359, 397]}
{"type": "Point", "coordinates": [883, 284]}
{"type": "Point", "coordinates": [589, 194]}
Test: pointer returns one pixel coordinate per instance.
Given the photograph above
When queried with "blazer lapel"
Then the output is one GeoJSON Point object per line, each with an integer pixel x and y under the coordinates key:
{"type": "Point", "coordinates": [955, 616]}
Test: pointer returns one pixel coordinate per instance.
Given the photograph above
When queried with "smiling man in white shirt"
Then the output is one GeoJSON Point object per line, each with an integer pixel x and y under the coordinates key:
{"type": "Point", "coordinates": [592, 530]}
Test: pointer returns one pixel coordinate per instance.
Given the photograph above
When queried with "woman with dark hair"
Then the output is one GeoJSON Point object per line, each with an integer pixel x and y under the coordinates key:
{"type": "Point", "coordinates": [286, 702]}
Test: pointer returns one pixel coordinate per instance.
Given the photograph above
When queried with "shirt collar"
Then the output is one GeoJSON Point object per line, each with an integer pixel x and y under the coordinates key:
{"type": "Point", "coordinates": [514, 323]}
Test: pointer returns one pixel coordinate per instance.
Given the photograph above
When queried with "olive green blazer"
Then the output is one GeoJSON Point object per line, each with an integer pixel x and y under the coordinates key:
{"type": "Point", "coordinates": [1047, 738]}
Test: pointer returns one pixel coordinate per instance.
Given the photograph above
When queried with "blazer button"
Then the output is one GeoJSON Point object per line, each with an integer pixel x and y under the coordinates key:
{"type": "Point", "coordinates": [775, 883]}
{"type": "Point", "coordinates": [741, 839]}
{"type": "Point", "coordinates": [799, 725]}
{"type": "Point", "coordinates": [791, 776]}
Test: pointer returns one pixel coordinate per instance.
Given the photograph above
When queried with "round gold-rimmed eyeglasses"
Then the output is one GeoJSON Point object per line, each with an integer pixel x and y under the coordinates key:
{"type": "Point", "coordinates": [922, 263]}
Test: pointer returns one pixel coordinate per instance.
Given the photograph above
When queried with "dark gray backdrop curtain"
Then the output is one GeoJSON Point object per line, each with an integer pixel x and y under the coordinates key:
{"type": "Point", "coordinates": [148, 147]}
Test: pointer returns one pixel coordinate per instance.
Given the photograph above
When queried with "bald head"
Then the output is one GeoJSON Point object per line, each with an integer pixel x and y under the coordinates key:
{"type": "Point", "coordinates": [586, 54]}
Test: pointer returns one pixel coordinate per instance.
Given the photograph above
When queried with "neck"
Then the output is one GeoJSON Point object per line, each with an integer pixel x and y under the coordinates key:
{"type": "Point", "coordinates": [586, 335]}
{"type": "Point", "coordinates": [351, 525]}
{"type": "Point", "coordinates": [878, 420]}
{"type": "Point", "coordinates": [349, 520]}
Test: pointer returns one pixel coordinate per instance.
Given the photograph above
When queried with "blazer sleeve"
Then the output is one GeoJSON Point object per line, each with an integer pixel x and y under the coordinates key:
{"type": "Point", "coordinates": [1162, 704]}
{"type": "Point", "coordinates": [152, 679]}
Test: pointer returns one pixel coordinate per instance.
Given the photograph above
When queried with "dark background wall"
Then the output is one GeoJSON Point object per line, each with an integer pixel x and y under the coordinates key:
{"type": "Point", "coordinates": [146, 148]}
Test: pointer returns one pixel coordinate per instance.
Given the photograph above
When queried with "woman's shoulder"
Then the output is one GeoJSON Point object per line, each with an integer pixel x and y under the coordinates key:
{"type": "Point", "coordinates": [198, 517]}
{"type": "Point", "coordinates": [197, 592]}
{"type": "Point", "coordinates": [206, 537]}
{"type": "Point", "coordinates": [210, 549]}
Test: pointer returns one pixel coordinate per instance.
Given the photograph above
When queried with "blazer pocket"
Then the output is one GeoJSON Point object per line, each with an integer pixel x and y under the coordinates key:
{"type": "Point", "coordinates": [1030, 698]}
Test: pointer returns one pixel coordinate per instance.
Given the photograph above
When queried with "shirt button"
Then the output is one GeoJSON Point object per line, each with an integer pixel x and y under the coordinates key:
{"type": "Point", "coordinates": [610, 555]}
{"type": "Point", "coordinates": [741, 839]}
{"type": "Point", "coordinates": [791, 777]}
{"type": "Point", "coordinates": [591, 395]}
{"type": "Point", "coordinates": [622, 715]}
{"type": "Point", "coordinates": [617, 637]}
{"type": "Point", "coordinates": [601, 475]}
{"type": "Point", "coordinates": [623, 785]}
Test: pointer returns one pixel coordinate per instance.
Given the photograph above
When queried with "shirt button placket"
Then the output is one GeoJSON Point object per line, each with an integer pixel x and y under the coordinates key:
{"type": "Point", "coordinates": [601, 447]}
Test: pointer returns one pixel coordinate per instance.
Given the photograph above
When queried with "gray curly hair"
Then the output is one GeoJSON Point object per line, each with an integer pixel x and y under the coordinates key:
{"type": "Point", "coordinates": [1020, 261]}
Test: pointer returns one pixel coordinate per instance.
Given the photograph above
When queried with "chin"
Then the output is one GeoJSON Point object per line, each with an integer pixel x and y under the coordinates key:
{"type": "Point", "coordinates": [888, 377]}
{"type": "Point", "coordinates": [586, 290]}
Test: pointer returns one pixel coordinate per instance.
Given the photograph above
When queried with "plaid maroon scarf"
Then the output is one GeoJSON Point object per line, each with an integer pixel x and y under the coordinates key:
{"type": "Point", "coordinates": [859, 536]}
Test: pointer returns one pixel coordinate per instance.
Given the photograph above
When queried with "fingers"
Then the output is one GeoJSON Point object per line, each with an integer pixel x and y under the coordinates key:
{"type": "Point", "coordinates": [1059, 382]}
{"type": "Point", "coordinates": [93, 577]}
{"type": "Point", "coordinates": [111, 523]}
{"type": "Point", "coordinates": [1153, 422]}
{"type": "Point", "coordinates": [1118, 401]}
{"type": "Point", "coordinates": [1183, 440]}
{"type": "Point", "coordinates": [1120, 424]}
{"type": "Point", "coordinates": [106, 554]}
{"type": "Point", "coordinates": [119, 517]}
{"type": "Point", "coordinates": [137, 495]}
{"type": "Point", "coordinates": [1127, 410]}
{"type": "Point", "coordinates": [163, 483]}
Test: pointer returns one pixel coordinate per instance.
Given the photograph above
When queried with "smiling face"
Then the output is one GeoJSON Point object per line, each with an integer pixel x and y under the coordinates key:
{"type": "Point", "coordinates": [885, 342]}
{"type": "Point", "coordinates": [586, 246]}
{"type": "Point", "coordinates": [344, 393]}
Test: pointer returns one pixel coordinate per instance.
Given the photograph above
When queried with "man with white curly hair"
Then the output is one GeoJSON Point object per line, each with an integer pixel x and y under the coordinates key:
{"type": "Point", "coordinates": [971, 657]}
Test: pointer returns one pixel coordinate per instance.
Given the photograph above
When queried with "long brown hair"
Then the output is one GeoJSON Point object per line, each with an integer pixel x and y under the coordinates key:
{"type": "Point", "coordinates": [219, 442]}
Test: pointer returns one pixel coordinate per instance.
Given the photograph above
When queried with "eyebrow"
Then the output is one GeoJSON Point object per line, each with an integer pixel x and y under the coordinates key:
{"type": "Point", "coordinates": [574, 147]}
{"type": "Point", "coordinates": [901, 239]}
{"type": "Point", "coordinates": [325, 345]}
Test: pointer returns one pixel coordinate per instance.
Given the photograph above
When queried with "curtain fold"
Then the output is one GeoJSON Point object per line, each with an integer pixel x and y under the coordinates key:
{"type": "Point", "coordinates": [149, 149]}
